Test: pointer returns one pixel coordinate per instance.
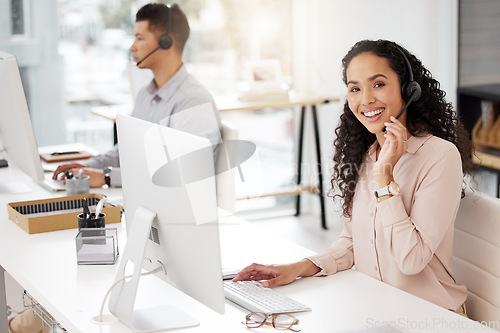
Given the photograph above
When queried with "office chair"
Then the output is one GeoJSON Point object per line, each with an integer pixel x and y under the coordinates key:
{"type": "Point", "coordinates": [476, 254]}
{"type": "Point", "coordinates": [225, 180]}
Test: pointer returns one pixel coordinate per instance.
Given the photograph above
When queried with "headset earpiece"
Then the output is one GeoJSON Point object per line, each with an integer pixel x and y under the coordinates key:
{"type": "Point", "coordinates": [410, 90]}
{"type": "Point", "coordinates": [165, 42]}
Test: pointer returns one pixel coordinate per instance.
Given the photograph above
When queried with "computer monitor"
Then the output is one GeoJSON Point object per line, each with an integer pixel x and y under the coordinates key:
{"type": "Point", "coordinates": [16, 132]}
{"type": "Point", "coordinates": [169, 196]}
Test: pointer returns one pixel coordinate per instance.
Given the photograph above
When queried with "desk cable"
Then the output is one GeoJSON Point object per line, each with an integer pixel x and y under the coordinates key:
{"type": "Point", "coordinates": [156, 270]}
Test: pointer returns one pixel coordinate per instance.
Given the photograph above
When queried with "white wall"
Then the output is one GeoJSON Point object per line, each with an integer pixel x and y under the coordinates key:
{"type": "Point", "coordinates": [324, 30]}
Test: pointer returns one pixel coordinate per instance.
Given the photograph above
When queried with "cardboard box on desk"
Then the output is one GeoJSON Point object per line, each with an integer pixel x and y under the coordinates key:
{"type": "Point", "coordinates": [53, 214]}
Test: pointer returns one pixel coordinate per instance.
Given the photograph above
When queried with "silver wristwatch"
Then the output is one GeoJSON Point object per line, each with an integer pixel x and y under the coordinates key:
{"type": "Point", "coordinates": [391, 190]}
{"type": "Point", "coordinates": [107, 175]}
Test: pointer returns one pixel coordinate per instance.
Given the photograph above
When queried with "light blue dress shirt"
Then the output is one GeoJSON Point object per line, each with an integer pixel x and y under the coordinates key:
{"type": "Point", "coordinates": [165, 106]}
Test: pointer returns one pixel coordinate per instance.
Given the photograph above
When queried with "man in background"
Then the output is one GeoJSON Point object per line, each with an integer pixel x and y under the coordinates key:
{"type": "Point", "coordinates": [161, 33]}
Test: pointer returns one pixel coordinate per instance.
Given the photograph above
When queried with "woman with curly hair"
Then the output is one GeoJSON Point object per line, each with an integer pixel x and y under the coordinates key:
{"type": "Point", "coordinates": [400, 159]}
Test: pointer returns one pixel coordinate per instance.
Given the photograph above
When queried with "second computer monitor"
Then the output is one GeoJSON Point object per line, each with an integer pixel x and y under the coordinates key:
{"type": "Point", "coordinates": [171, 174]}
{"type": "Point", "coordinates": [16, 131]}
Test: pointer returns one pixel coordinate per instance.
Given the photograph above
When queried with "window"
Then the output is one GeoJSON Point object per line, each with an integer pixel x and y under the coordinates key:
{"type": "Point", "coordinates": [19, 17]}
{"type": "Point", "coordinates": [229, 43]}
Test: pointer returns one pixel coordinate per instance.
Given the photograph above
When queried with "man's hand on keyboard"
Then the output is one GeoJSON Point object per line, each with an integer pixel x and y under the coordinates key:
{"type": "Point", "coordinates": [275, 275]}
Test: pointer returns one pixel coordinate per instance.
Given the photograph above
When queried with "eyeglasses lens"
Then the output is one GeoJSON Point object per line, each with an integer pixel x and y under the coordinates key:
{"type": "Point", "coordinates": [283, 321]}
{"type": "Point", "coordinates": [256, 320]}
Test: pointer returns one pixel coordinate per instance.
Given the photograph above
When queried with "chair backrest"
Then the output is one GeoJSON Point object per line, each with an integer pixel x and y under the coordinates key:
{"type": "Point", "coordinates": [225, 178]}
{"type": "Point", "coordinates": [476, 255]}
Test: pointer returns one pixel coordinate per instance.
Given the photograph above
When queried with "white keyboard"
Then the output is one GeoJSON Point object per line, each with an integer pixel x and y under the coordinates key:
{"type": "Point", "coordinates": [53, 184]}
{"type": "Point", "coordinates": [255, 298]}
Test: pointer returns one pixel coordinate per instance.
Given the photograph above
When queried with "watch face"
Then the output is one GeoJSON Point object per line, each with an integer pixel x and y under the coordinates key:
{"type": "Point", "coordinates": [394, 188]}
{"type": "Point", "coordinates": [107, 171]}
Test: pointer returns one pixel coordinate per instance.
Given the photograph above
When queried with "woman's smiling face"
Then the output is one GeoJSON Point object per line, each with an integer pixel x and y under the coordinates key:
{"type": "Point", "coordinates": [373, 91]}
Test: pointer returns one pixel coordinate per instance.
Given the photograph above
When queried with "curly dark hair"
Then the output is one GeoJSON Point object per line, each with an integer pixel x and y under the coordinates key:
{"type": "Point", "coordinates": [430, 114]}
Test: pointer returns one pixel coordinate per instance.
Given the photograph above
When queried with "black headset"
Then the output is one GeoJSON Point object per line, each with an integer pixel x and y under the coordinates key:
{"type": "Point", "coordinates": [165, 40]}
{"type": "Point", "coordinates": [410, 90]}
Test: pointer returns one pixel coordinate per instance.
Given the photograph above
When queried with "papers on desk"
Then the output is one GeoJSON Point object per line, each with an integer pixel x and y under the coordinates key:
{"type": "Point", "coordinates": [96, 253]}
{"type": "Point", "coordinates": [96, 246]}
{"type": "Point", "coordinates": [65, 156]}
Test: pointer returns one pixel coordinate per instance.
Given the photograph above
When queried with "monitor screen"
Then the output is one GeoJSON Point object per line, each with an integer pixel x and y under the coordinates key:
{"type": "Point", "coordinates": [16, 131]}
{"type": "Point", "coordinates": [170, 174]}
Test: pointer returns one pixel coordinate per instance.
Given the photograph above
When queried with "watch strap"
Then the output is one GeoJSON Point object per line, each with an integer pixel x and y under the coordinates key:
{"type": "Point", "coordinates": [107, 175]}
{"type": "Point", "coordinates": [382, 192]}
{"type": "Point", "coordinates": [107, 179]}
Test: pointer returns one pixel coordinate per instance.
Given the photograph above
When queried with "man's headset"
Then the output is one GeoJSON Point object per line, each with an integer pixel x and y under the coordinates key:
{"type": "Point", "coordinates": [165, 42]}
{"type": "Point", "coordinates": [410, 90]}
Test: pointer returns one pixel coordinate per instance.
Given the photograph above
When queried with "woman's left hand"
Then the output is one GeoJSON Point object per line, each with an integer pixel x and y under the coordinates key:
{"type": "Point", "coordinates": [394, 147]}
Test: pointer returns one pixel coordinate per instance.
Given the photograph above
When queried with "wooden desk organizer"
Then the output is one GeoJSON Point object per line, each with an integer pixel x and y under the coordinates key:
{"type": "Point", "coordinates": [487, 135]}
{"type": "Point", "coordinates": [487, 141]}
{"type": "Point", "coordinates": [61, 213]}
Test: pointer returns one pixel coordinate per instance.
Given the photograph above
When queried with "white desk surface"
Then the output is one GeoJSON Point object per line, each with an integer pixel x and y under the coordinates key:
{"type": "Point", "coordinates": [45, 265]}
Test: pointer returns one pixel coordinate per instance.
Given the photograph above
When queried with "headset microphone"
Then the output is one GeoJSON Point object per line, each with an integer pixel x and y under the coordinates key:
{"type": "Point", "coordinates": [410, 90]}
{"type": "Point", "coordinates": [412, 98]}
{"type": "Point", "coordinates": [150, 53]}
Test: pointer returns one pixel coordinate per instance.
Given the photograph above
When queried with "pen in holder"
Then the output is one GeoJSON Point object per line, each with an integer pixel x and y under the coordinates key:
{"type": "Point", "coordinates": [77, 185]}
{"type": "Point", "coordinates": [92, 221]}
{"type": "Point", "coordinates": [95, 244]}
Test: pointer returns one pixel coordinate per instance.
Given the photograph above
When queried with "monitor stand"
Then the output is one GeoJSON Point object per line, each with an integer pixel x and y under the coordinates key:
{"type": "Point", "coordinates": [122, 298]}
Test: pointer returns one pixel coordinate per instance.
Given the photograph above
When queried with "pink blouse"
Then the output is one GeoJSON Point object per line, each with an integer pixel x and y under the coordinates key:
{"type": "Point", "coordinates": [406, 240]}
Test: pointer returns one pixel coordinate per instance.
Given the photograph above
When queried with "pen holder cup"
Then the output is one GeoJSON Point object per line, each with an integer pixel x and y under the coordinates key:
{"type": "Point", "coordinates": [92, 222]}
{"type": "Point", "coordinates": [77, 185]}
{"type": "Point", "coordinates": [97, 246]}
